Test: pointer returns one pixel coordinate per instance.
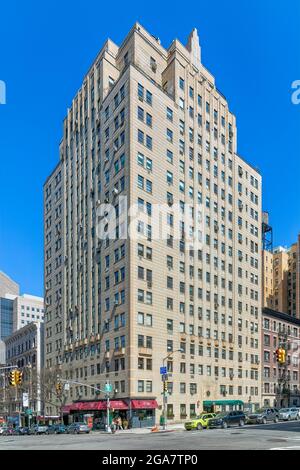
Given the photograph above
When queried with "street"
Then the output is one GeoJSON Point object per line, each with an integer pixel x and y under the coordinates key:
{"type": "Point", "coordinates": [281, 436]}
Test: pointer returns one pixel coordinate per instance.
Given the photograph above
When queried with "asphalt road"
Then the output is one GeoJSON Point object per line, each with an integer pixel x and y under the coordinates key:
{"type": "Point", "coordinates": [281, 436]}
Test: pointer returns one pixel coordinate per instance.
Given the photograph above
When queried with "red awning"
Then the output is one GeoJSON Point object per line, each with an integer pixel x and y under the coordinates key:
{"type": "Point", "coordinates": [95, 405]}
{"type": "Point", "coordinates": [144, 404]}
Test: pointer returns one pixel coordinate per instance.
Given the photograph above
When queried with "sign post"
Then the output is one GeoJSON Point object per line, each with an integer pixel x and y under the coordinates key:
{"type": "Point", "coordinates": [164, 376]}
{"type": "Point", "coordinates": [108, 389]}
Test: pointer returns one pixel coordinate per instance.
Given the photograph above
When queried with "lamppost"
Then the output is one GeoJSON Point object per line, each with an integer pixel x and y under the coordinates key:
{"type": "Point", "coordinates": [165, 376]}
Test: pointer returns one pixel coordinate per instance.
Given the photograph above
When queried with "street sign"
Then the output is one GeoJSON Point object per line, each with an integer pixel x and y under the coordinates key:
{"type": "Point", "coordinates": [108, 388]}
{"type": "Point", "coordinates": [25, 399]}
{"type": "Point", "coordinates": [163, 370]}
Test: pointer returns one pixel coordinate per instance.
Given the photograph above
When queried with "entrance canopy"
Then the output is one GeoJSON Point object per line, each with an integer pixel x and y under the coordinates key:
{"type": "Point", "coordinates": [144, 404]}
{"type": "Point", "coordinates": [223, 403]}
{"type": "Point", "coordinates": [95, 405]}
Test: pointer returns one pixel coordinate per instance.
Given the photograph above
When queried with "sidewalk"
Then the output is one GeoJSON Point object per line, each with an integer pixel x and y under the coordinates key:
{"type": "Point", "coordinates": [170, 428]}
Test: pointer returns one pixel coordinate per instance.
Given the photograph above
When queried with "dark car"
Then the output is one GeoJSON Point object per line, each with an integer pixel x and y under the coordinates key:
{"type": "Point", "coordinates": [78, 428]}
{"type": "Point", "coordinates": [57, 429]}
{"type": "Point", "coordinates": [22, 431]}
{"type": "Point", "coordinates": [262, 416]}
{"type": "Point", "coordinates": [227, 419]}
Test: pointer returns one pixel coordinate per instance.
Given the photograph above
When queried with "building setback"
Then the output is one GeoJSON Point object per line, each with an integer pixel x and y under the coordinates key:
{"type": "Point", "coordinates": [149, 124]}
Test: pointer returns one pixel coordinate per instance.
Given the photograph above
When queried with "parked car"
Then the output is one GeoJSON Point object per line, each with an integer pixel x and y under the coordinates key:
{"type": "Point", "coordinates": [77, 428]}
{"type": "Point", "coordinates": [287, 414]}
{"type": "Point", "coordinates": [227, 419]}
{"type": "Point", "coordinates": [298, 411]}
{"type": "Point", "coordinates": [22, 431]}
{"type": "Point", "coordinates": [262, 416]}
{"type": "Point", "coordinates": [9, 431]}
{"type": "Point", "coordinates": [38, 429]}
{"type": "Point", "coordinates": [200, 422]}
{"type": "Point", "coordinates": [2, 430]}
{"type": "Point", "coordinates": [57, 429]}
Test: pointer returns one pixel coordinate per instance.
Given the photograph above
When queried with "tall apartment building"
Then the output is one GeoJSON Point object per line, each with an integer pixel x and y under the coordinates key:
{"type": "Point", "coordinates": [281, 279]}
{"type": "Point", "coordinates": [149, 124]}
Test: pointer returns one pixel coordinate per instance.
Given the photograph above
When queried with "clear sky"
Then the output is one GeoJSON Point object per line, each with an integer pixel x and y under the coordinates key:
{"type": "Point", "coordinates": [250, 46]}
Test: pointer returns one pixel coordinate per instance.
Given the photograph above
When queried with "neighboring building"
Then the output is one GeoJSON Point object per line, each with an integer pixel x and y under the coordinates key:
{"type": "Point", "coordinates": [27, 309]}
{"type": "Point", "coordinates": [149, 123]}
{"type": "Point", "coordinates": [281, 279]}
{"type": "Point", "coordinates": [8, 290]}
{"type": "Point", "coordinates": [6, 317]}
{"type": "Point", "coordinates": [7, 285]}
{"type": "Point", "coordinates": [280, 384]}
{"type": "Point", "coordinates": [25, 350]}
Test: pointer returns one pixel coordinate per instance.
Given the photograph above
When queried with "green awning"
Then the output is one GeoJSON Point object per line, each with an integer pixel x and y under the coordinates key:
{"type": "Point", "coordinates": [222, 402]}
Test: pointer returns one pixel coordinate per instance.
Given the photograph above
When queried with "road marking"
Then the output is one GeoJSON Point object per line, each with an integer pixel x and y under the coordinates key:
{"type": "Point", "coordinates": [286, 448]}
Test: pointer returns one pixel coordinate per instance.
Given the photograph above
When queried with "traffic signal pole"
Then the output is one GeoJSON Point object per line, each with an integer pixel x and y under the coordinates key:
{"type": "Point", "coordinates": [106, 392]}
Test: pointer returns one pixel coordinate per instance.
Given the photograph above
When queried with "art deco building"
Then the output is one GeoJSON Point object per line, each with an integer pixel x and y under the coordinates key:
{"type": "Point", "coordinates": [149, 124]}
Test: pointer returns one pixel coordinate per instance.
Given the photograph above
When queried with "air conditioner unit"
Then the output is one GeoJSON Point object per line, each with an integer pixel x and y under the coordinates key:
{"type": "Point", "coordinates": [106, 199]}
{"type": "Point", "coordinates": [116, 302]}
{"type": "Point", "coordinates": [149, 284]}
{"type": "Point", "coordinates": [115, 191]}
{"type": "Point", "coordinates": [98, 202]}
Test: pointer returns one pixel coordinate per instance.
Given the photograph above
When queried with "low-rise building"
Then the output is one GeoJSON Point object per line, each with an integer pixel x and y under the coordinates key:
{"type": "Point", "coordinates": [25, 350]}
{"type": "Point", "coordinates": [280, 382]}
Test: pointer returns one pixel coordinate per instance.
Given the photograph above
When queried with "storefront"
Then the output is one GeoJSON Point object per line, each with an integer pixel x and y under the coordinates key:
{"type": "Point", "coordinates": [142, 413]}
{"type": "Point", "coordinates": [133, 413]}
{"type": "Point", "coordinates": [95, 412]}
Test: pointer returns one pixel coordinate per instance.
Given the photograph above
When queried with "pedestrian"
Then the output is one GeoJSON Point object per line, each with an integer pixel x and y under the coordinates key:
{"type": "Point", "coordinates": [119, 423]}
{"type": "Point", "coordinates": [113, 426]}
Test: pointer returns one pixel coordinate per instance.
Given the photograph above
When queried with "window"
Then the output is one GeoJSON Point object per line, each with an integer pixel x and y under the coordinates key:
{"type": "Point", "coordinates": [170, 114]}
{"type": "Point", "coordinates": [181, 83]}
{"type": "Point", "coordinates": [149, 97]}
{"type": "Point", "coordinates": [169, 135]}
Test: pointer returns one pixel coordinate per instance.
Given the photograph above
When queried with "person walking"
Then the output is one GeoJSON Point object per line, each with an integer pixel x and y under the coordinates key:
{"type": "Point", "coordinates": [119, 423]}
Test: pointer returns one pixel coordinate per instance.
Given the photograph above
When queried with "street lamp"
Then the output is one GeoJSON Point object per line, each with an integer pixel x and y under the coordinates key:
{"type": "Point", "coordinates": [164, 392]}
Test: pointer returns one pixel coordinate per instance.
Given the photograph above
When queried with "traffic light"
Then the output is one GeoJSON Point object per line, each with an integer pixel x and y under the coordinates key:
{"type": "Point", "coordinates": [12, 378]}
{"type": "Point", "coordinates": [18, 377]}
{"type": "Point", "coordinates": [282, 356]}
{"type": "Point", "coordinates": [165, 387]}
{"type": "Point", "coordinates": [58, 387]}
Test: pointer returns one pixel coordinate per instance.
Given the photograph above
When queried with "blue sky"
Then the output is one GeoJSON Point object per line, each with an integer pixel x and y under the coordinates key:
{"type": "Point", "coordinates": [251, 47]}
